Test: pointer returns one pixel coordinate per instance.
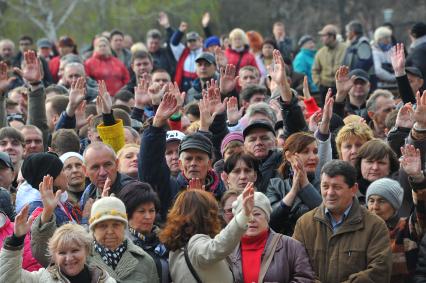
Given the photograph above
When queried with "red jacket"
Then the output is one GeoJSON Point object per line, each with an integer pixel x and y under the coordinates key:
{"type": "Point", "coordinates": [109, 69]}
{"type": "Point", "coordinates": [54, 68]}
{"type": "Point", "coordinates": [246, 58]}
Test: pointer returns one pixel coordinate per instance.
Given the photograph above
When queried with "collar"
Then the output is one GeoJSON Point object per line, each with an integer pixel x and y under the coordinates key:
{"type": "Point", "coordinates": [418, 41]}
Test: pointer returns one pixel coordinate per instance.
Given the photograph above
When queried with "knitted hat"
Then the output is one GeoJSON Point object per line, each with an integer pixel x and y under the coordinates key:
{"type": "Point", "coordinates": [260, 201]}
{"type": "Point", "coordinates": [233, 136]}
{"type": "Point", "coordinates": [70, 154]}
{"type": "Point", "coordinates": [107, 208]}
{"type": "Point", "coordinates": [304, 39]}
{"type": "Point", "coordinates": [388, 189]}
{"type": "Point", "coordinates": [38, 165]}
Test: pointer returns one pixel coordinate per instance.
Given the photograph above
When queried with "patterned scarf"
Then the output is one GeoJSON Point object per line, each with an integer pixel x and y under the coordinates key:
{"type": "Point", "coordinates": [111, 258]}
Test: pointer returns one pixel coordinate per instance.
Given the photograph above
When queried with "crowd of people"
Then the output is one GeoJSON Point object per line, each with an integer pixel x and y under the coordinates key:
{"type": "Point", "coordinates": [207, 158]}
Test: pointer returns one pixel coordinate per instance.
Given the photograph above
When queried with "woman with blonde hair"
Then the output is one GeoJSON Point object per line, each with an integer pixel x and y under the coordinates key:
{"type": "Point", "coordinates": [238, 54]}
{"type": "Point", "coordinates": [69, 248]}
{"type": "Point", "coordinates": [128, 160]}
{"type": "Point", "coordinates": [198, 249]}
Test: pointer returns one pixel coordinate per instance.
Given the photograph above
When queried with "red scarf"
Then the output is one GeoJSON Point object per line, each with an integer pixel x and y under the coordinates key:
{"type": "Point", "coordinates": [251, 255]}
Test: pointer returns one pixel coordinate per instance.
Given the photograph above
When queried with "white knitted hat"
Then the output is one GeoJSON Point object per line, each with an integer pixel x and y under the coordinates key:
{"type": "Point", "coordinates": [107, 208]}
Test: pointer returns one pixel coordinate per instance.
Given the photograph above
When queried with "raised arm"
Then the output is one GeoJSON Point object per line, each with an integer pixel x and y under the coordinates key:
{"type": "Point", "coordinates": [398, 65]}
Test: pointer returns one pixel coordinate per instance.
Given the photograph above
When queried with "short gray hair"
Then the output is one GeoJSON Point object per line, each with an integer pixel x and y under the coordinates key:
{"type": "Point", "coordinates": [372, 101]}
{"type": "Point", "coordinates": [262, 108]}
{"type": "Point", "coordinates": [75, 65]}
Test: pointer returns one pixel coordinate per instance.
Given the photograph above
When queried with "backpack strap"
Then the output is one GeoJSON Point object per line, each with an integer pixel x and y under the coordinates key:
{"type": "Point", "coordinates": [188, 263]}
{"type": "Point", "coordinates": [266, 261]}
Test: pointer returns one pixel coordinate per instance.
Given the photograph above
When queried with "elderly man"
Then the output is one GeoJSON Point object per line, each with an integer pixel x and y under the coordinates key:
{"type": "Point", "coordinates": [379, 105]}
{"type": "Point", "coordinates": [33, 138]}
{"type": "Point", "coordinates": [344, 241]}
{"type": "Point", "coordinates": [100, 165]}
{"type": "Point", "coordinates": [195, 157]}
{"type": "Point", "coordinates": [75, 70]}
{"type": "Point", "coordinates": [162, 56]}
{"type": "Point", "coordinates": [7, 49]}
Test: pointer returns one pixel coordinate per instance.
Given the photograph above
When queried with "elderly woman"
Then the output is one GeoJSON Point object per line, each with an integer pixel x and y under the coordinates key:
{"type": "Point", "coordinates": [226, 202]}
{"type": "Point", "coordinates": [266, 256]}
{"type": "Point", "coordinates": [238, 54]}
{"type": "Point", "coordinates": [142, 205]}
{"type": "Point", "coordinates": [69, 248]}
{"type": "Point", "coordinates": [375, 160]}
{"type": "Point", "coordinates": [239, 170]}
{"type": "Point", "coordinates": [382, 45]}
{"type": "Point", "coordinates": [111, 250]}
{"type": "Point", "coordinates": [193, 221]}
{"type": "Point", "coordinates": [350, 138]}
{"type": "Point", "coordinates": [104, 66]}
{"type": "Point", "coordinates": [128, 160]}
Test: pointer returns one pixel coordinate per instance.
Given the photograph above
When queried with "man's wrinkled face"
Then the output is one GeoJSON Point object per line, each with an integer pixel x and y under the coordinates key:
{"type": "Point", "coordinates": [33, 141]}
{"type": "Point", "coordinates": [247, 78]}
{"type": "Point", "coordinates": [71, 75]}
{"type": "Point", "coordinates": [6, 51]}
{"type": "Point", "coordinates": [259, 142]}
{"type": "Point", "coordinates": [100, 164]}
{"type": "Point", "coordinates": [194, 164]}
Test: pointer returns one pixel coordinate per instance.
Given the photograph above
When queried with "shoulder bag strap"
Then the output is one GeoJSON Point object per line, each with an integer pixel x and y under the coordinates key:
{"type": "Point", "coordinates": [268, 256]}
{"type": "Point", "coordinates": [191, 268]}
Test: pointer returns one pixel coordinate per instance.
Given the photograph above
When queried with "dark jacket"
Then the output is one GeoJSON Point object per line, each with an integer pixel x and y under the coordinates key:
{"type": "Point", "coordinates": [159, 253]}
{"type": "Point", "coordinates": [92, 192]}
{"type": "Point", "coordinates": [420, 275]}
{"type": "Point", "coordinates": [283, 218]}
{"type": "Point", "coordinates": [6, 204]}
{"type": "Point", "coordinates": [195, 92]}
{"type": "Point", "coordinates": [417, 58]}
{"type": "Point", "coordinates": [359, 251]}
{"type": "Point", "coordinates": [164, 59]}
{"type": "Point", "coordinates": [290, 262]}
{"type": "Point", "coordinates": [268, 170]}
{"type": "Point", "coordinates": [152, 152]}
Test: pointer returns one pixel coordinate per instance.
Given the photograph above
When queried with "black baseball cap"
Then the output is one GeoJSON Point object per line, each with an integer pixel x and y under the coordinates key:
{"type": "Point", "coordinates": [207, 56]}
{"type": "Point", "coordinates": [256, 124]}
{"type": "Point", "coordinates": [414, 71]}
{"type": "Point", "coordinates": [360, 74]}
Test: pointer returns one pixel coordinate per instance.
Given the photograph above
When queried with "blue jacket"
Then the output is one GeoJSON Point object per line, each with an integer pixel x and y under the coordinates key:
{"type": "Point", "coordinates": [303, 63]}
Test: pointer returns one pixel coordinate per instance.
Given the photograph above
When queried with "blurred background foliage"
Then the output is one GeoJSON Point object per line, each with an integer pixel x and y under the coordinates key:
{"type": "Point", "coordinates": [82, 19]}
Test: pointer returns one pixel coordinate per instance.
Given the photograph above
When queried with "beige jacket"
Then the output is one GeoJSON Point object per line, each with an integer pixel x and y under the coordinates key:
{"type": "Point", "coordinates": [11, 271]}
{"type": "Point", "coordinates": [327, 61]}
{"type": "Point", "coordinates": [134, 266]}
{"type": "Point", "coordinates": [208, 256]}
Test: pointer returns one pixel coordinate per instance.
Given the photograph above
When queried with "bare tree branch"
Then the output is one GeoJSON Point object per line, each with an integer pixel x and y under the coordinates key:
{"type": "Point", "coordinates": [67, 13]}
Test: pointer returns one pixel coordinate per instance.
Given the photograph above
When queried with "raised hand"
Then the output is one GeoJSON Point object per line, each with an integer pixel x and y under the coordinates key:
{"type": "Point", "coordinates": [104, 99]}
{"type": "Point", "coordinates": [314, 120]}
{"type": "Point", "coordinates": [405, 117]}
{"type": "Point", "coordinates": [327, 113]}
{"type": "Point", "coordinates": [180, 96]}
{"type": "Point", "coordinates": [195, 184]}
{"type": "Point", "coordinates": [228, 80]}
{"type": "Point", "coordinates": [142, 97]}
{"type": "Point", "coordinates": [232, 111]}
{"type": "Point", "coordinates": [31, 70]}
{"type": "Point", "coordinates": [275, 105]}
{"type": "Point", "coordinates": [220, 57]}
{"type": "Point", "coordinates": [5, 82]}
{"type": "Point", "coordinates": [167, 108]}
{"type": "Point", "coordinates": [216, 106]}
{"type": "Point", "coordinates": [183, 27]}
{"type": "Point", "coordinates": [411, 161]}
{"type": "Point", "coordinates": [206, 117]}
{"type": "Point", "coordinates": [420, 113]}
{"type": "Point", "coordinates": [107, 188]}
{"type": "Point", "coordinates": [306, 92]}
{"type": "Point", "coordinates": [343, 83]}
{"type": "Point", "coordinates": [49, 198]}
{"type": "Point", "coordinates": [80, 116]}
{"type": "Point", "coordinates": [279, 76]}
{"type": "Point", "coordinates": [398, 59]}
{"type": "Point", "coordinates": [205, 20]}
{"type": "Point", "coordinates": [248, 199]}
{"type": "Point", "coordinates": [88, 208]}
{"type": "Point", "coordinates": [23, 222]}
{"type": "Point", "coordinates": [156, 93]}
{"type": "Point", "coordinates": [163, 20]}
{"type": "Point", "coordinates": [76, 96]}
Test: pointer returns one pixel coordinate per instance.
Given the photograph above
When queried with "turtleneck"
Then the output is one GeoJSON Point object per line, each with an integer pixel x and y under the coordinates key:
{"type": "Point", "coordinates": [251, 255]}
{"type": "Point", "coordinates": [82, 277]}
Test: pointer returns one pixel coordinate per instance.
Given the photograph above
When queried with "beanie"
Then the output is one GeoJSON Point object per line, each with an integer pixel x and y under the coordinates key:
{"type": "Point", "coordinates": [233, 136]}
{"type": "Point", "coordinates": [260, 201]}
{"type": "Point", "coordinates": [211, 41]}
{"type": "Point", "coordinates": [38, 165]}
{"type": "Point", "coordinates": [388, 189]}
{"type": "Point", "coordinates": [70, 154]}
{"type": "Point", "coordinates": [107, 208]}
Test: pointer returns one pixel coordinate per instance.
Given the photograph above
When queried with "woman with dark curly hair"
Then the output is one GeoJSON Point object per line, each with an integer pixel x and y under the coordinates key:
{"type": "Point", "coordinates": [197, 250]}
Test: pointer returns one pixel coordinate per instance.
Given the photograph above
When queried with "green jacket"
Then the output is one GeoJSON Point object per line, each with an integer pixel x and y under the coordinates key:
{"type": "Point", "coordinates": [359, 251]}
